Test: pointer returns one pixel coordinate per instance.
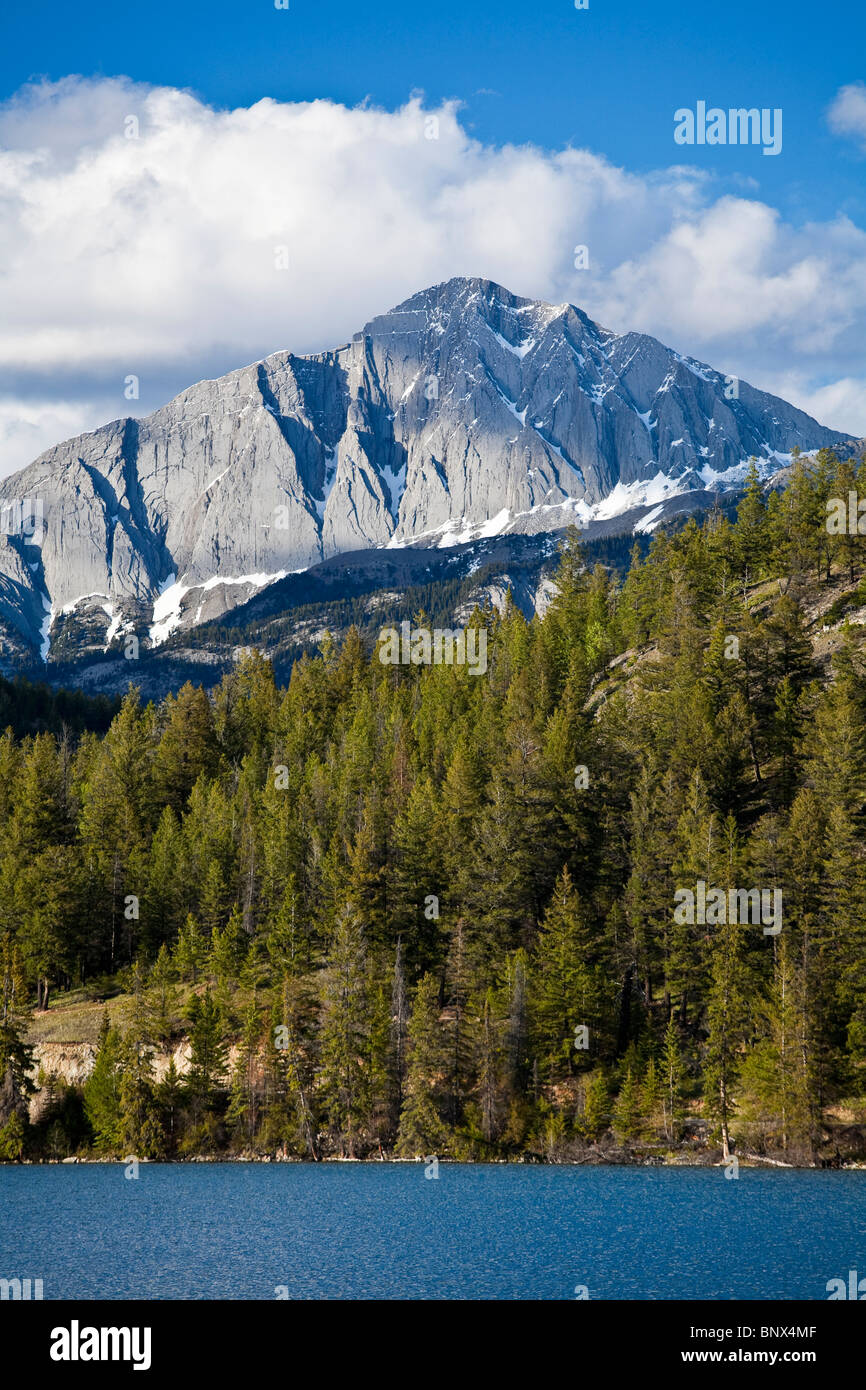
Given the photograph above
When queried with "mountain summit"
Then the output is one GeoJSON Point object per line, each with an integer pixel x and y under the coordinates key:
{"type": "Point", "coordinates": [464, 412]}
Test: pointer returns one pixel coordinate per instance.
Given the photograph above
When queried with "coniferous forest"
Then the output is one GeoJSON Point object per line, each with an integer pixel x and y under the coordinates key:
{"type": "Point", "coordinates": [401, 911]}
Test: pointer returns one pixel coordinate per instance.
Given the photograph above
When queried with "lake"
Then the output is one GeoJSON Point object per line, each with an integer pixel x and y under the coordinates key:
{"type": "Point", "coordinates": [241, 1230]}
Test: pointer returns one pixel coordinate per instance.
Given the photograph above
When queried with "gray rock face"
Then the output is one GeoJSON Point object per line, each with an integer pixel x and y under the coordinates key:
{"type": "Point", "coordinates": [465, 411]}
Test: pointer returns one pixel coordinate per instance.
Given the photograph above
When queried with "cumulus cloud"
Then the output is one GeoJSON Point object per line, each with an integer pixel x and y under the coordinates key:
{"type": "Point", "coordinates": [840, 401]}
{"type": "Point", "coordinates": [143, 232]}
{"type": "Point", "coordinates": [847, 114]}
{"type": "Point", "coordinates": [27, 427]}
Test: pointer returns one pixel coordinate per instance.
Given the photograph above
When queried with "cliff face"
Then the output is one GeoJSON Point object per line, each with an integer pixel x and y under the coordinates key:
{"type": "Point", "coordinates": [464, 412]}
{"type": "Point", "coordinates": [72, 1062]}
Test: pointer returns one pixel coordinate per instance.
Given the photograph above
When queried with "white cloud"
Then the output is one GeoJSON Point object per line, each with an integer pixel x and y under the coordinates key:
{"type": "Point", "coordinates": [841, 401]}
{"type": "Point", "coordinates": [156, 255]}
{"type": "Point", "coordinates": [847, 114]}
{"type": "Point", "coordinates": [734, 271]}
{"type": "Point", "coordinates": [28, 428]}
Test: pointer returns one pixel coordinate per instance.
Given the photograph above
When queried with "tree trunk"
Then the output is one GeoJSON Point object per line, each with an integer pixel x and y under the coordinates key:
{"type": "Point", "coordinates": [726, 1144]}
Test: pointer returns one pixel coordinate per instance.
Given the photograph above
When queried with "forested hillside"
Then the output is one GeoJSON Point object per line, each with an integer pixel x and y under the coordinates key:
{"type": "Point", "coordinates": [413, 910]}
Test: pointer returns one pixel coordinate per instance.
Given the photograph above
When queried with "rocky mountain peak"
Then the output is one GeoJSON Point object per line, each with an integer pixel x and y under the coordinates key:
{"type": "Point", "coordinates": [464, 412]}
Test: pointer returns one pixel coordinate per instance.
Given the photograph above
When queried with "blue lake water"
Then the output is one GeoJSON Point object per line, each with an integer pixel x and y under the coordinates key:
{"type": "Point", "coordinates": [386, 1231]}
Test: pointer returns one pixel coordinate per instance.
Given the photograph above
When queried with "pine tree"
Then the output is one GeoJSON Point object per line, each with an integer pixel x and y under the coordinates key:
{"type": "Point", "coordinates": [627, 1110]}
{"type": "Point", "coordinates": [207, 1061]}
{"type": "Point", "coordinates": [190, 953]}
{"type": "Point", "coordinates": [161, 901]}
{"type": "Point", "coordinates": [422, 1130]}
{"type": "Point", "coordinates": [187, 747]}
{"type": "Point", "coordinates": [458, 988]}
{"type": "Point", "coordinates": [776, 1071]}
{"type": "Point", "coordinates": [289, 1077]}
{"type": "Point", "coordinates": [345, 1032]}
{"type": "Point", "coordinates": [596, 1117]}
{"type": "Point", "coordinates": [565, 991]}
{"type": "Point", "coordinates": [752, 527]}
{"type": "Point", "coordinates": [102, 1091]}
{"type": "Point", "coordinates": [162, 998]}
{"type": "Point", "coordinates": [399, 1021]}
{"type": "Point", "coordinates": [651, 1100]}
{"type": "Point", "coordinates": [245, 1090]}
{"type": "Point", "coordinates": [169, 1098]}
{"type": "Point", "coordinates": [726, 1026]}
{"type": "Point", "coordinates": [141, 1132]}
{"type": "Point", "coordinates": [672, 1072]}
{"type": "Point", "coordinates": [489, 1070]}
{"type": "Point", "coordinates": [517, 1025]}
{"type": "Point", "coordinates": [16, 1056]}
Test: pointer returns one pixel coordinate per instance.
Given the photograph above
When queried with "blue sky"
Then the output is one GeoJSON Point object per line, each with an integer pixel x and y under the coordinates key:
{"type": "Point", "coordinates": [154, 256]}
{"type": "Point", "coordinates": [607, 78]}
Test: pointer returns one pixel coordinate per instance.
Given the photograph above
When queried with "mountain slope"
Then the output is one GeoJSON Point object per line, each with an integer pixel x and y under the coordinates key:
{"type": "Point", "coordinates": [465, 412]}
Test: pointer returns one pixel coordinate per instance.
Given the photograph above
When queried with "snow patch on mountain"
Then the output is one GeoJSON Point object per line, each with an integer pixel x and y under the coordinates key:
{"type": "Point", "coordinates": [518, 350]}
{"type": "Point", "coordinates": [650, 521]}
{"type": "Point", "coordinates": [45, 628]}
{"type": "Point", "coordinates": [167, 610]}
{"type": "Point", "coordinates": [320, 503]}
{"type": "Point", "coordinates": [626, 496]}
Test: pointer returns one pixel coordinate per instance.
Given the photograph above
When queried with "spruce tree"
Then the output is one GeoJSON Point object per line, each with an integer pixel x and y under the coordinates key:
{"type": "Point", "coordinates": [422, 1129]}
{"type": "Point", "coordinates": [627, 1110]}
{"type": "Point", "coordinates": [345, 1032]}
{"type": "Point", "coordinates": [16, 1056]}
{"type": "Point", "coordinates": [102, 1091]}
{"type": "Point", "coordinates": [672, 1073]}
{"type": "Point", "coordinates": [206, 1077]}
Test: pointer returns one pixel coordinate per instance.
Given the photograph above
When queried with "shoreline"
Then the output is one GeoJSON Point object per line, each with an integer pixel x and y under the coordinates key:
{"type": "Point", "coordinates": [753, 1161]}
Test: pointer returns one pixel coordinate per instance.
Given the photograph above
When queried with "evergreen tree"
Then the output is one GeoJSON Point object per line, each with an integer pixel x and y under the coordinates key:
{"type": "Point", "coordinates": [345, 1032]}
{"type": "Point", "coordinates": [245, 1090]}
{"type": "Point", "coordinates": [422, 1128]}
{"type": "Point", "coordinates": [102, 1091]}
{"type": "Point", "coordinates": [627, 1110]}
{"type": "Point", "coordinates": [597, 1106]}
{"type": "Point", "coordinates": [16, 1057]}
{"type": "Point", "coordinates": [208, 1055]}
{"type": "Point", "coordinates": [399, 1030]}
{"type": "Point", "coordinates": [726, 1025]}
{"type": "Point", "coordinates": [566, 992]}
{"type": "Point", "coordinates": [672, 1072]}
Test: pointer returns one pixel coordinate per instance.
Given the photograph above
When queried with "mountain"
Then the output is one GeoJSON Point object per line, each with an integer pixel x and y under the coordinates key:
{"type": "Point", "coordinates": [464, 413]}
